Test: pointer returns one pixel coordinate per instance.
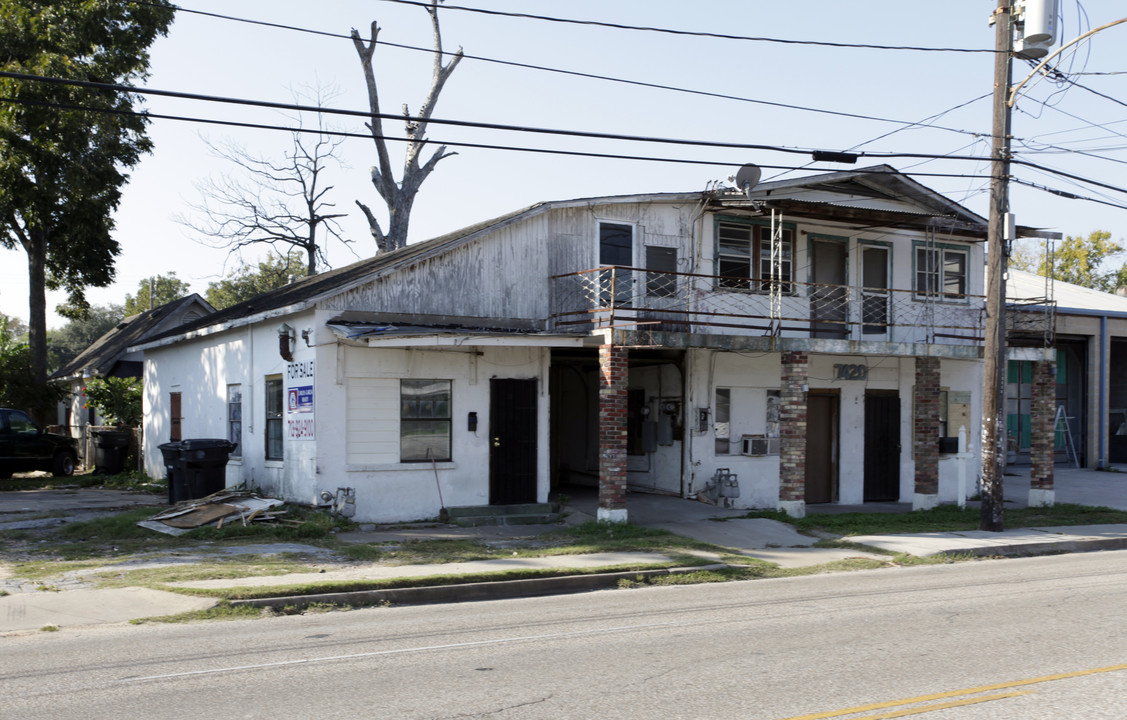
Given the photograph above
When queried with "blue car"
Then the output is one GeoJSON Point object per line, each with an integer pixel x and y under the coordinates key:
{"type": "Point", "coordinates": [24, 447]}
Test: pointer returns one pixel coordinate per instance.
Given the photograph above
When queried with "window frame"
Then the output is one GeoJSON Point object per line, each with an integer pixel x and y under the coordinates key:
{"type": "Point", "coordinates": [722, 421]}
{"type": "Point", "coordinates": [413, 415]}
{"type": "Point", "coordinates": [757, 262]}
{"type": "Point", "coordinates": [235, 424]}
{"type": "Point", "coordinates": [932, 282]}
{"type": "Point", "coordinates": [274, 419]}
{"type": "Point", "coordinates": [661, 282]}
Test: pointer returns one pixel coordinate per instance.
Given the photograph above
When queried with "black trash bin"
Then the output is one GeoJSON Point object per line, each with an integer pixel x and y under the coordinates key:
{"type": "Point", "coordinates": [110, 449]}
{"type": "Point", "coordinates": [171, 453]}
{"type": "Point", "coordinates": [198, 467]}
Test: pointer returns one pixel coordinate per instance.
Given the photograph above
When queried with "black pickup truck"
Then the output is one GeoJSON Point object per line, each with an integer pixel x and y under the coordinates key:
{"type": "Point", "coordinates": [24, 446]}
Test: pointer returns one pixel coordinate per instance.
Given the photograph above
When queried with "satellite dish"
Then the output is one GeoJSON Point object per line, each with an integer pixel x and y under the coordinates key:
{"type": "Point", "coordinates": [747, 177]}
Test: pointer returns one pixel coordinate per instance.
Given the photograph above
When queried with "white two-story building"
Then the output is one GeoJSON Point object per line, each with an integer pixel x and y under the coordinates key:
{"type": "Point", "coordinates": [816, 340]}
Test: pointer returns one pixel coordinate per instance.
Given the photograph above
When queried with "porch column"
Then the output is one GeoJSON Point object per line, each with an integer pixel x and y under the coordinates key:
{"type": "Point", "coordinates": [925, 439]}
{"type": "Point", "coordinates": [792, 434]}
{"type": "Point", "coordinates": [1043, 432]}
{"type": "Point", "coordinates": [613, 375]}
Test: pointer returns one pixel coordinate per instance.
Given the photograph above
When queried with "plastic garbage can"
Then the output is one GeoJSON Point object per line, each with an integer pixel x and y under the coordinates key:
{"type": "Point", "coordinates": [171, 453]}
{"type": "Point", "coordinates": [110, 449]}
{"type": "Point", "coordinates": [202, 468]}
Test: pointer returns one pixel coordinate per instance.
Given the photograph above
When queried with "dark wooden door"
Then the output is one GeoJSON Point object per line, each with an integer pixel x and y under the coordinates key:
{"type": "Point", "coordinates": [512, 438]}
{"type": "Point", "coordinates": [882, 446]}
{"type": "Point", "coordinates": [821, 448]}
{"type": "Point", "coordinates": [174, 417]}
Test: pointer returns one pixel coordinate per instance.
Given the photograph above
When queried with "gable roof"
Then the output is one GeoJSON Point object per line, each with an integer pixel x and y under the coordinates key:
{"type": "Point", "coordinates": [916, 204]}
{"type": "Point", "coordinates": [106, 352]}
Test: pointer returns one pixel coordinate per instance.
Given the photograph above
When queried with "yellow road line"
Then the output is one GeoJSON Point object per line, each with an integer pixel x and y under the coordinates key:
{"type": "Point", "coordinates": [942, 706]}
{"type": "Point", "coordinates": [956, 693]}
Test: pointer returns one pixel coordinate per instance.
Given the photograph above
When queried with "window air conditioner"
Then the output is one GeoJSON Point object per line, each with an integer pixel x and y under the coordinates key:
{"type": "Point", "coordinates": [759, 445]}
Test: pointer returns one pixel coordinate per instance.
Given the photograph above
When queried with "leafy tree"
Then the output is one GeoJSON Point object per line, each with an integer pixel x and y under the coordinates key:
{"type": "Point", "coordinates": [16, 388]}
{"type": "Point", "coordinates": [68, 341]}
{"type": "Point", "coordinates": [11, 328]}
{"type": "Point", "coordinates": [156, 291]}
{"type": "Point", "coordinates": [399, 196]}
{"type": "Point", "coordinates": [278, 202]}
{"type": "Point", "coordinates": [1077, 260]}
{"type": "Point", "coordinates": [248, 282]}
{"type": "Point", "coordinates": [65, 148]}
{"type": "Point", "coordinates": [117, 400]}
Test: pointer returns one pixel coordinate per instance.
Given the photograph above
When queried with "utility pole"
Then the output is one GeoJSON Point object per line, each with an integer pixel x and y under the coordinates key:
{"type": "Point", "coordinates": [994, 351]}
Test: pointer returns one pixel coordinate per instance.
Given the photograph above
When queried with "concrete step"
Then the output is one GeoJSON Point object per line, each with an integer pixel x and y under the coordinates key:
{"type": "Point", "coordinates": [523, 514]}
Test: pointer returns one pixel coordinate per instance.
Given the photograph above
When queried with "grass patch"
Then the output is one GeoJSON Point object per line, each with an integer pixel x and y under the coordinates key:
{"type": "Point", "coordinates": [219, 569]}
{"type": "Point", "coordinates": [596, 537]}
{"type": "Point", "coordinates": [118, 535]}
{"type": "Point", "coordinates": [132, 480]}
{"type": "Point", "coordinates": [222, 611]}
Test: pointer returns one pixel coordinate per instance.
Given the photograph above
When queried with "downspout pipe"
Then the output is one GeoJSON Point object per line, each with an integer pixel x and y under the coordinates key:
{"type": "Point", "coordinates": [1102, 420]}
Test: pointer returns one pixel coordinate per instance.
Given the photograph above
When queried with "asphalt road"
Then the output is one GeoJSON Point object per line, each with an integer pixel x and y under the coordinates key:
{"type": "Point", "coordinates": [1032, 638]}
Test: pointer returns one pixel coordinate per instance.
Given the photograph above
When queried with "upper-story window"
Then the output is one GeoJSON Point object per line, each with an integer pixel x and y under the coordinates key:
{"type": "Point", "coordinates": [744, 257]}
{"type": "Point", "coordinates": [941, 271]}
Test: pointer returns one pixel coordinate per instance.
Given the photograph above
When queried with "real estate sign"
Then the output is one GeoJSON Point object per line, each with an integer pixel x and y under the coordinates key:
{"type": "Point", "coordinates": [299, 401]}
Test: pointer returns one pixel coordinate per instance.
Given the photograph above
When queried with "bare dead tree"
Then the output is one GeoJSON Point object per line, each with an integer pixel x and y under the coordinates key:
{"type": "Point", "coordinates": [282, 202]}
{"type": "Point", "coordinates": [400, 196]}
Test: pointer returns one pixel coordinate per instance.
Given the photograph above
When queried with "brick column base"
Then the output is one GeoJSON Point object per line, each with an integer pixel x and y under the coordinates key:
{"type": "Point", "coordinates": [925, 443]}
{"type": "Point", "coordinates": [792, 434]}
{"type": "Point", "coordinates": [1043, 440]}
{"type": "Point", "coordinates": [613, 375]}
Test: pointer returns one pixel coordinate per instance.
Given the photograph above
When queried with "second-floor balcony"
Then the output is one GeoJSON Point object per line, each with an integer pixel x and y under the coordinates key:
{"type": "Point", "coordinates": [626, 297]}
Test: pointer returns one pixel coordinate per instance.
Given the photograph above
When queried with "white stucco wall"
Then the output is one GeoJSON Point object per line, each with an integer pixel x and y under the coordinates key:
{"type": "Point", "coordinates": [750, 376]}
{"type": "Point", "coordinates": [395, 491]}
{"type": "Point", "coordinates": [315, 443]}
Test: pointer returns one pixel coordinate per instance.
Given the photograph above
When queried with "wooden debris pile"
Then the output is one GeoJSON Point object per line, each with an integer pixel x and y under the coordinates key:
{"type": "Point", "coordinates": [216, 510]}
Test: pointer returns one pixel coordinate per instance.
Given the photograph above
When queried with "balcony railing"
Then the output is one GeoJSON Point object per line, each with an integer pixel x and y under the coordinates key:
{"type": "Point", "coordinates": [622, 297]}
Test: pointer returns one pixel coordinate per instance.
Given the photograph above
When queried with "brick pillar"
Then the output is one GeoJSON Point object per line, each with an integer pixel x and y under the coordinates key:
{"type": "Point", "coordinates": [925, 443]}
{"type": "Point", "coordinates": [613, 374]}
{"type": "Point", "coordinates": [792, 432]}
{"type": "Point", "coordinates": [1043, 415]}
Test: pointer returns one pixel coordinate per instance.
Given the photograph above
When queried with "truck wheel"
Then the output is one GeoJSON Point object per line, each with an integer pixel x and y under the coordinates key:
{"type": "Point", "coordinates": [63, 465]}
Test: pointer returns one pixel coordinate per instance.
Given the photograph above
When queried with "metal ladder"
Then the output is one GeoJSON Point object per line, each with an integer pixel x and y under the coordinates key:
{"type": "Point", "coordinates": [1069, 447]}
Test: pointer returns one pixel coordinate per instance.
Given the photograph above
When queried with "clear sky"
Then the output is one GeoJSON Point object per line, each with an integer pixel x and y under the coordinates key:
{"type": "Point", "coordinates": [1055, 125]}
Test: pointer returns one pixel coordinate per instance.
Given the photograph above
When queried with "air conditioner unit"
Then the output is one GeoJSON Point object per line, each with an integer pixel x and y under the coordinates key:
{"type": "Point", "coordinates": [759, 445]}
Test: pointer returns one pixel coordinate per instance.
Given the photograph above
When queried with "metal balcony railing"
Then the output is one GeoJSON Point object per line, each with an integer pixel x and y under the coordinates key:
{"type": "Point", "coordinates": [622, 297]}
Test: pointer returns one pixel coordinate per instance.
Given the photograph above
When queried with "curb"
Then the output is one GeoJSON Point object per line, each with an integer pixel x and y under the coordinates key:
{"type": "Point", "coordinates": [1042, 548]}
{"type": "Point", "coordinates": [472, 592]}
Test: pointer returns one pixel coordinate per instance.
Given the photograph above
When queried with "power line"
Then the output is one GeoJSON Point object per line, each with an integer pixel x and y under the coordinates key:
{"type": "Point", "coordinates": [693, 33]}
{"type": "Point", "coordinates": [490, 126]}
{"type": "Point", "coordinates": [482, 146]}
{"type": "Point", "coordinates": [433, 121]}
{"type": "Point", "coordinates": [575, 73]}
{"type": "Point", "coordinates": [1066, 194]}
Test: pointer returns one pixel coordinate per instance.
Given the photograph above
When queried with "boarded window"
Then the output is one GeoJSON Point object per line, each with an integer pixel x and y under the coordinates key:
{"type": "Point", "coordinates": [372, 421]}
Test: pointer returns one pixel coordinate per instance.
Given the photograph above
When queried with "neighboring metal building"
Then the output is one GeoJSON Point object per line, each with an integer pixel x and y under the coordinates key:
{"type": "Point", "coordinates": [1089, 342]}
{"type": "Point", "coordinates": [810, 341]}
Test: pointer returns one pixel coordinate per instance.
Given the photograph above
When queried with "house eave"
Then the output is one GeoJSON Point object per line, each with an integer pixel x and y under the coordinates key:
{"type": "Point", "coordinates": [235, 324]}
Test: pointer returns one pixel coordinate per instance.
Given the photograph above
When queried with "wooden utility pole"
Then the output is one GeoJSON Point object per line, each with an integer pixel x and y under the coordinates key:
{"type": "Point", "coordinates": [994, 372]}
